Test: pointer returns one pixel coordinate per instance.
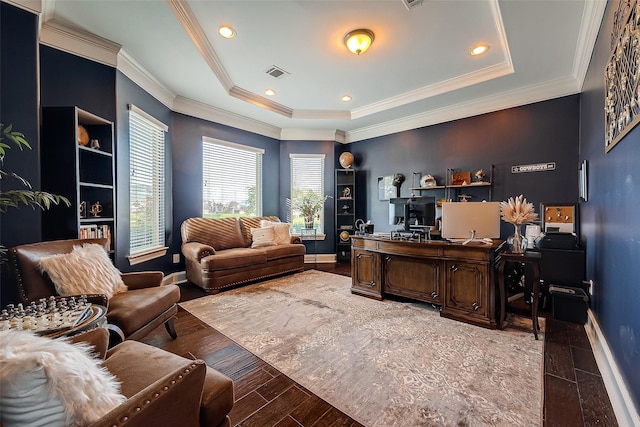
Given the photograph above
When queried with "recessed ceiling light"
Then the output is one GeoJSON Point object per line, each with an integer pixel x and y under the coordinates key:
{"type": "Point", "coordinates": [479, 49]}
{"type": "Point", "coordinates": [269, 92]}
{"type": "Point", "coordinates": [346, 98]}
{"type": "Point", "coordinates": [227, 32]}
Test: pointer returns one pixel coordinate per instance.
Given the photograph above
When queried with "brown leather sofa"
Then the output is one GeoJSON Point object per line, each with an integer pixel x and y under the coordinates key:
{"type": "Point", "coordinates": [131, 314]}
{"type": "Point", "coordinates": [218, 253]}
{"type": "Point", "coordinates": [162, 389]}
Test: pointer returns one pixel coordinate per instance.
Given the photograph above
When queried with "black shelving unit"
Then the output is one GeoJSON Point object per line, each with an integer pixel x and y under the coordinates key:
{"type": "Point", "coordinates": [345, 211]}
{"type": "Point", "coordinates": [85, 175]}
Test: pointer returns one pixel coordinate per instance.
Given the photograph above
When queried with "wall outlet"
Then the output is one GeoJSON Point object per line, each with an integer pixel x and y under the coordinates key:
{"type": "Point", "coordinates": [176, 258]}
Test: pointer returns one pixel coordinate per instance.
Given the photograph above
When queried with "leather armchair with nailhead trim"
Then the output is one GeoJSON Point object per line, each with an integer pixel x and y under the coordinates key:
{"type": "Point", "coordinates": [162, 388]}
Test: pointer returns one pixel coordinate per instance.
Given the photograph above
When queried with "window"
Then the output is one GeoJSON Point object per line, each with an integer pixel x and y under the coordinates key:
{"type": "Point", "coordinates": [146, 186]}
{"type": "Point", "coordinates": [231, 179]}
{"type": "Point", "coordinates": [307, 182]}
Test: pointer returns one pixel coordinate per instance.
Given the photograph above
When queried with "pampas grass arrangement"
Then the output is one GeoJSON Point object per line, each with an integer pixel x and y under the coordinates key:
{"type": "Point", "coordinates": [518, 211]}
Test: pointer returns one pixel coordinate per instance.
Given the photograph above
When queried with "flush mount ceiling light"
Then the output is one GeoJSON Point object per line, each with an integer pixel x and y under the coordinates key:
{"type": "Point", "coordinates": [346, 98]}
{"type": "Point", "coordinates": [358, 41]}
{"type": "Point", "coordinates": [269, 92]}
{"type": "Point", "coordinates": [227, 32]}
{"type": "Point", "coordinates": [479, 49]}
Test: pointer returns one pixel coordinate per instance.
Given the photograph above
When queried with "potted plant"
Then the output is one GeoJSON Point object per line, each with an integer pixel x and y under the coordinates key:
{"type": "Point", "coordinates": [309, 205]}
{"type": "Point", "coordinates": [13, 198]}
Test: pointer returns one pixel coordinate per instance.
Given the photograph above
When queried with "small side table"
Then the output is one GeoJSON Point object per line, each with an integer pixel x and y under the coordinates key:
{"type": "Point", "coordinates": [311, 234]}
{"type": "Point", "coordinates": [528, 257]}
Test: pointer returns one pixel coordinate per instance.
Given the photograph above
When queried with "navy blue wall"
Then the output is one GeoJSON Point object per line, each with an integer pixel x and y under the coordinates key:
{"type": "Point", "coordinates": [130, 93]}
{"type": "Point", "coordinates": [609, 219]}
{"type": "Point", "coordinates": [67, 80]}
{"type": "Point", "coordinates": [536, 133]}
{"type": "Point", "coordinates": [19, 106]}
{"type": "Point", "coordinates": [186, 147]}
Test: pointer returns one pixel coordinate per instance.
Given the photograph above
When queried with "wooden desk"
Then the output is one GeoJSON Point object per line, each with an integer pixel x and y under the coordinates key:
{"type": "Point", "coordinates": [529, 257]}
{"type": "Point", "coordinates": [459, 278]}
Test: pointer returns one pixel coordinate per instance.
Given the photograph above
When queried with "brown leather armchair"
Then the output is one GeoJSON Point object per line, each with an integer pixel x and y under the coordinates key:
{"type": "Point", "coordinates": [162, 389]}
{"type": "Point", "coordinates": [131, 314]}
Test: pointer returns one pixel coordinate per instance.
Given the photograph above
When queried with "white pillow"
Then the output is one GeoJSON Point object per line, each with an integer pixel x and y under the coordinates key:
{"type": "Point", "coordinates": [48, 382]}
{"type": "Point", "coordinates": [87, 269]}
{"type": "Point", "coordinates": [263, 237]}
{"type": "Point", "coordinates": [282, 231]}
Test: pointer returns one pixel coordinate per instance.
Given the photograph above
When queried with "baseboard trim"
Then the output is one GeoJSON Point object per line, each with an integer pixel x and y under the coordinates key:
{"type": "Point", "coordinates": [623, 407]}
{"type": "Point", "coordinates": [175, 278]}
{"type": "Point", "coordinates": [319, 258]}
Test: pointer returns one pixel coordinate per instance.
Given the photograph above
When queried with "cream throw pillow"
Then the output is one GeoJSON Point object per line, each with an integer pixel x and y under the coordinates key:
{"type": "Point", "coordinates": [262, 237]}
{"type": "Point", "coordinates": [87, 269]}
{"type": "Point", "coordinates": [282, 231]}
{"type": "Point", "coordinates": [48, 382]}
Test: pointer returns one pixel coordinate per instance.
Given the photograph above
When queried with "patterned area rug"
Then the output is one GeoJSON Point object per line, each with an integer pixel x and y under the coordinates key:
{"type": "Point", "coordinates": [384, 363]}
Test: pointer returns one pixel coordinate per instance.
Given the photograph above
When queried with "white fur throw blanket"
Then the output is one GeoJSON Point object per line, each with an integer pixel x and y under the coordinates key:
{"type": "Point", "coordinates": [49, 382]}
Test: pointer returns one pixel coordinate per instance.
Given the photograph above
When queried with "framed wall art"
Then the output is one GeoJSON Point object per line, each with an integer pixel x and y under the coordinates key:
{"type": "Point", "coordinates": [559, 217]}
{"type": "Point", "coordinates": [386, 190]}
{"type": "Point", "coordinates": [622, 75]}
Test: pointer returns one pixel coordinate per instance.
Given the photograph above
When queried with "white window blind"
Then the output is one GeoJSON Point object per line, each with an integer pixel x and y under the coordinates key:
{"type": "Point", "coordinates": [307, 175]}
{"type": "Point", "coordinates": [231, 179]}
{"type": "Point", "coordinates": [147, 182]}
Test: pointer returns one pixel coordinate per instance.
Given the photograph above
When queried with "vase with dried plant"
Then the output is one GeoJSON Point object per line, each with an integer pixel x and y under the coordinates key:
{"type": "Point", "coordinates": [517, 211]}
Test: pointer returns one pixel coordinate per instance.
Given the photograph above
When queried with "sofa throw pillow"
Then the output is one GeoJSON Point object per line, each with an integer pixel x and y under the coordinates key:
{"type": "Point", "coordinates": [282, 231]}
{"type": "Point", "coordinates": [49, 382]}
{"type": "Point", "coordinates": [262, 237]}
{"type": "Point", "coordinates": [87, 269]}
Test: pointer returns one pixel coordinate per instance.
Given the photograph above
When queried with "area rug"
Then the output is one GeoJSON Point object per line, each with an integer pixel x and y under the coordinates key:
{"type": "Point", "coordinates": [383, 363]}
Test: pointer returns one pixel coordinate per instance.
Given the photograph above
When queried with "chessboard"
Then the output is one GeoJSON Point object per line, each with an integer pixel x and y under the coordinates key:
{"type": "Point", "coordinates": [51, 317]}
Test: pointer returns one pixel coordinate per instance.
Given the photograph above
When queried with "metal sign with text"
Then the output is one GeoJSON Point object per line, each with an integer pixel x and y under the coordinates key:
{"type": "Point", "coordinates": [538, 167]}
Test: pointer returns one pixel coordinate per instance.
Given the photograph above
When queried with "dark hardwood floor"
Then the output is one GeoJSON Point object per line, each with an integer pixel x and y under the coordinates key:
{"type": "Point", "coordinates": [574, 393]}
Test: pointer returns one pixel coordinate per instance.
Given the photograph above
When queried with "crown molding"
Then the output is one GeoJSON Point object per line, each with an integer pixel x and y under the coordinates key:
{"type": "Point", "coordinates": [191, 25]}
{"type": "Point", "coordinates": [589, 27]}
{"type": "Point", "coordinates": [212, 114]}
{"type": "Point", "coordinates": [80, 43]}
{"type": "Point", "coordinates": [322, 114]}
{"type": "Point", "coordinates": [294, 134]}
{"type": "Point", "coordinates": [441, 87]}
{"type": "Point", "coordinates": [488, 104]}
{"type": "Point", "coordinates": [33, 6]}
{"type": "Point", "coordinates": [260, 101]}
{"type": "Point", "coordinates": [131, 68]}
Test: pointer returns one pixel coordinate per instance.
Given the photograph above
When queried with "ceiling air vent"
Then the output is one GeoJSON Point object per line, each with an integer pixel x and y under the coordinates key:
{"type": "Point", "coordinates": [276, 72]}
{"type": "Point", "coordinates": [410, 4]}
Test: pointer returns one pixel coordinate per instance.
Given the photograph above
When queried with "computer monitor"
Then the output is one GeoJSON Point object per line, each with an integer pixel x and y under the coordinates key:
{"type": "Point", "coordinates": [416, 213]}
{"type": "Point", "coordinates": [466, 220]}
{"type": "Point", "coordinates": [396, 210]}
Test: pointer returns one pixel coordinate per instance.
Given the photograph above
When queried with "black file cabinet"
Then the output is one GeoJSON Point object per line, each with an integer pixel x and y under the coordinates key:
{"type": "Point", "coordinates": [562, 267]}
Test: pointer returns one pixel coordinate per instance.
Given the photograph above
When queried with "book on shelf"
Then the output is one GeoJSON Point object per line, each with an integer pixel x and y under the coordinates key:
{"type": "Point", "coordinates": [96, 231]}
